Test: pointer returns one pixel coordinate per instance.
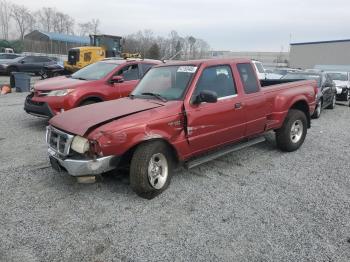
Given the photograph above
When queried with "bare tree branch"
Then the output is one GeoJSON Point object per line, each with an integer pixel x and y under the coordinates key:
{"type": "Point", "coordinates": [5, 15]}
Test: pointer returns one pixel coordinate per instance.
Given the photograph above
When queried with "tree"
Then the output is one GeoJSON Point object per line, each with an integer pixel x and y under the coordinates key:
{"type": "Point", "coordinates": [84, 29]}
{"type": "Point", "coordinates": [178, 50]}
{"type": "Point", "coordinates": [88, 28]}
{"type": "Point", "coordinates": [191, 40]}
{"type": "Point", "coordinates": [46, 21]}
{"type": "Point", "coordinates": [5, 15]}
{"type": "Point", "coordinates": [22, 17]}
{"type": "Point", "coordinates": [154, 52]}
{"type": "Point", "coordinates": [95, 24]}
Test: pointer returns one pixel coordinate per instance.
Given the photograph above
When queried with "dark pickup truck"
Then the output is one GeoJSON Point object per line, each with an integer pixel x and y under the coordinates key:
{"type": "Point", "coordinates": [180, 113]}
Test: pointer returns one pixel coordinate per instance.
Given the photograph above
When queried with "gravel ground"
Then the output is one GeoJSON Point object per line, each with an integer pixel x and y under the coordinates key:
{"type": "Point", "coordinates": [257, 204]}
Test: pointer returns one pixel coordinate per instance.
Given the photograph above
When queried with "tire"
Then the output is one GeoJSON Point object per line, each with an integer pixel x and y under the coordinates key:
{"type": "Point", "coordinates": [318, 110]}
{"type": "Point", "coordinates": [144, 181]}
{"type": "Point", "coordinates": [332, 105]}
{"type": "Point", "coordinates": [56, 74]}
{"type": "Point", "coordinates": [293, 132]}
{"type": "Point", "coordinates": [12, 69]}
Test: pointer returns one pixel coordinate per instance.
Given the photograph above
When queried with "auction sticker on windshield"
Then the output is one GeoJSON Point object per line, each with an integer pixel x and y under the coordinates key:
{"type": "Point", "coordinates": [187, 69]}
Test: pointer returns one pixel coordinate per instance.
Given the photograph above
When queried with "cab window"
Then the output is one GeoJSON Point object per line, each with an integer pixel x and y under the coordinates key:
{"type": "Point", "coordinates": [129, 72]}
{"type": "Point", "coordinates": [87, 57]}
{"type": "Point", "coordinates": [248, 77]}
{"type": "Point", "coordinates": [145, 68]}
{"type": "Point", "coordinates": [218, 79]}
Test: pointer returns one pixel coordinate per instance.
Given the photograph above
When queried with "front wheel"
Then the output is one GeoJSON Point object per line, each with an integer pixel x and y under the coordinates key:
{"type": "Point", "coordinates": [151, 169]}
{"type": "Point", "coordinates": [293, 132]}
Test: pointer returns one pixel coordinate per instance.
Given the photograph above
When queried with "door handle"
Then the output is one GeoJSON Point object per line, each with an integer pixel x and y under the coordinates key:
{"type": "Point", "coordinates": [238, 105]}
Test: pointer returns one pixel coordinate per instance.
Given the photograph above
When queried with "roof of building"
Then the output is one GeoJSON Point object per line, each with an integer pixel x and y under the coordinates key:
{"type": "Point", "coordinates": [41, 35]}
{"type": "Point", "coordinates": [322, 42]}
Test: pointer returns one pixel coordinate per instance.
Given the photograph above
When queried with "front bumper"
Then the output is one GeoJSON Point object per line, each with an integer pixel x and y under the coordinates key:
{"type": "Point", "coordinates": [87, 167]}
{"type": "Point", "coordinates": [342, 93]}
{"type": "Point", "coordinates": [40, 109]}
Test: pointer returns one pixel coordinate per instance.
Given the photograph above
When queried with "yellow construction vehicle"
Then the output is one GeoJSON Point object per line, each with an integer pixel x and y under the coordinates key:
{"type": "Point", "coordinates": [101, 47]}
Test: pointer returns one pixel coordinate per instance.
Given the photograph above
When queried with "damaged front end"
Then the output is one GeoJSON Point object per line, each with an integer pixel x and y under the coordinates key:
{"type": "Point", "coordinates": [75, 154]}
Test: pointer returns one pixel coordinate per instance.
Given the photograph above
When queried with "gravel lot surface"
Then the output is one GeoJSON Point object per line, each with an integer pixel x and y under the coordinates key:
{"type": "Point", "coordinates": [258, 204]}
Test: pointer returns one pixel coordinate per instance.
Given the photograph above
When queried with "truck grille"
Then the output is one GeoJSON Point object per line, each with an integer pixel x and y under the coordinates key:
{"type": "Point", "coordinates": [58, 141]}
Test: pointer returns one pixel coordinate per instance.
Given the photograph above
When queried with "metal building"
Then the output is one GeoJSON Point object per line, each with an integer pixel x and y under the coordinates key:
{"type": "Point", "coordinates": [52, 43]}
{"type": "Point", "coordinates": [270, 59]}
{"type": "Point", "coordinates": [310, 54]}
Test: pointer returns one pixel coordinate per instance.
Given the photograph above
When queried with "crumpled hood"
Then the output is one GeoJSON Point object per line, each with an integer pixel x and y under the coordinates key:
{"type": "Point", "coordinates": [79, 120]}
{"type": "Point", "coordinates": [340, 83]}
{"type": "Point", "coordinates": [60, 82]}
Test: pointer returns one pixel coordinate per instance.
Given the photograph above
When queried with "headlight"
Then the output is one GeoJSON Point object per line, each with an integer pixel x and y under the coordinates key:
{"type": "Point", "coordinates": [62, 92]}
{"type": "Point", "coordinates": [80, 144]}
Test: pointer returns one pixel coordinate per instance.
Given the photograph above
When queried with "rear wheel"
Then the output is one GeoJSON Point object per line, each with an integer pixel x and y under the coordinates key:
{"type": "Point", "coordinates": [318, 110]}
{"type": "Point", "coordinates": [332, 105]}
{"type": "Point", "coordinates": [293, 132]}
{"type": "Point", "coordinates": [151, 169]}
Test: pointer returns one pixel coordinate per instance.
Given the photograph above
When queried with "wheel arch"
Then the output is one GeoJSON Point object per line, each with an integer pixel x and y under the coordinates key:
{"type": "Point", "coordinates": [304, 107]}
{"type": "Point", "coordinates": [89, 98]}
{"type": "Point", "coordinates": [126, 157]}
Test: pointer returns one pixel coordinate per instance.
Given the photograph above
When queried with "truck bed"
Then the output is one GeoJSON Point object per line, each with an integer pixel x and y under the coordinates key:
{"type": "Point", "coordinates": [281, 88]}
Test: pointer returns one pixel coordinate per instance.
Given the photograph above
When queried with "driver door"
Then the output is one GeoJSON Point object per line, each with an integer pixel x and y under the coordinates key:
{"type": "Point", "coordinates": [131, 76]}
{"type": "Point", "coordinates": [212, 124]}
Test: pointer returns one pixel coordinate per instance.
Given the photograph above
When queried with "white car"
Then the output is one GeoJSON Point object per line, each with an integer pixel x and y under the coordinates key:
{"type": "Point", "coordinates": [342, 83]}
{"type": "Point", "coordinates": [261, 72]}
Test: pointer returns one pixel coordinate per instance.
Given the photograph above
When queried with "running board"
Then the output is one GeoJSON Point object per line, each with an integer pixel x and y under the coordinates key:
{"type": "Point", "coordinates": [226, 150]}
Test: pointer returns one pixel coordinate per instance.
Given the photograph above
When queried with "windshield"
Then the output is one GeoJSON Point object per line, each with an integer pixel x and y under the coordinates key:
{"type": "Point", "coordinates": [338, 76]}
{"type": "Point", "coordinates": [95, 71]}
{"type": "Point", "coordinates": [304, 76]}
{"type": "Point", "coordinates": [260, 67]}
{"type": "Point", "coordinates": [168, 82]}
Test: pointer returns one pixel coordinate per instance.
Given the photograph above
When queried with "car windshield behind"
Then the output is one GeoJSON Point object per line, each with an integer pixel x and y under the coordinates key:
{"type": "Point", "coordinates": [95, 71]}
{"type": "Point", "coordinates": [260, 67]}
{"type": "Point", "coordinates": [338, 76]}
{"type": "Point", "coordinates": [294, 76]}
{"type": "Point", "coordinates": [167, 82]}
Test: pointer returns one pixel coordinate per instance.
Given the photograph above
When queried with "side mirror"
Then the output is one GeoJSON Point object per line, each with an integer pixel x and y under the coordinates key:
{"type": "Point", "coordinates": [206, 96]}
{"type": "Point", "coordinates": [22, 62]}
{"type": "Point", "coordinates": [117, 79]}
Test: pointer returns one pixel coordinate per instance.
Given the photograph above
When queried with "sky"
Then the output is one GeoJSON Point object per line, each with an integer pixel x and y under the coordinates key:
{"type": "Point", "coordinates": [236, 25]}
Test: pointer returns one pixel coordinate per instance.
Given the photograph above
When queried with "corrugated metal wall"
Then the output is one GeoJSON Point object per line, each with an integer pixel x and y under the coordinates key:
{"type": "Point", "coordinates": [308, 55]}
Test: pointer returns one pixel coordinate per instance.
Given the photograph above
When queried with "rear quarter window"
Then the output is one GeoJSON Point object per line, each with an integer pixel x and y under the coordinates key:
{"type": "Point", "coordinates": [248, 78]}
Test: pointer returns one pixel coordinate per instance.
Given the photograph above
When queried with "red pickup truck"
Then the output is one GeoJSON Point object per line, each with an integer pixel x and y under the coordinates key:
{"type": "Point", "coordinates": [180, 113]}
{"type": "Point", "coordinates": [105, 80]}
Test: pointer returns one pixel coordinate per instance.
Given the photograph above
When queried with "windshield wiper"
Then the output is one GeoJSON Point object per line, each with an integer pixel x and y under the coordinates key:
{"type": "Point", "coordinates": [79, 78]}
{"type": "Point", "coordinates": [160, 97]}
